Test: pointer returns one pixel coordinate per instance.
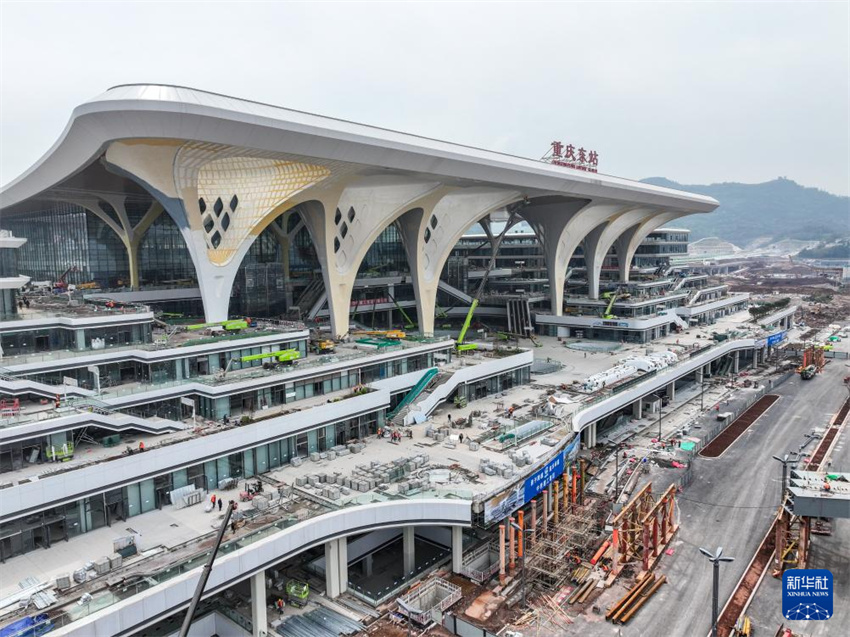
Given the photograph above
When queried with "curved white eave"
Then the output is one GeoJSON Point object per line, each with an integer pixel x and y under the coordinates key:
{"type": "Point", "coordinates": [167, 112]}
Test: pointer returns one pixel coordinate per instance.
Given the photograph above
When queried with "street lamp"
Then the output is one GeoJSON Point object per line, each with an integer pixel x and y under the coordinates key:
{"type": "Point", "coordinates": [521, 532]}
{"type": "Point", "coordinates": [715, 559]}
{"type": "Point", "coordinates": [658, 396]}
{"type": "Point", "coordinates": [785, 460]}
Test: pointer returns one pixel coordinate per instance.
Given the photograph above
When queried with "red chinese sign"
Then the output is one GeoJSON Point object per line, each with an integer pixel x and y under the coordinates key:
{"type": "Point", "coordinates": [569, 156]}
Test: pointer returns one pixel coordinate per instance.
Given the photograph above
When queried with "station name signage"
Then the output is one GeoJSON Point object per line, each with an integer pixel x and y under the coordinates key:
{"type": "Point", "coordinates": [568, 156]}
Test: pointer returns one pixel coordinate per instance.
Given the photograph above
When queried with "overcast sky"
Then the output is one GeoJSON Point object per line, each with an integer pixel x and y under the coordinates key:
{"type": "Point", "coordinates": [698, 92]}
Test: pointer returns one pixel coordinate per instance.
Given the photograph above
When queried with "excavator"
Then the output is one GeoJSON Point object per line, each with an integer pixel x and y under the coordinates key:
{"type": "Point", "coordinates": [61, 285]}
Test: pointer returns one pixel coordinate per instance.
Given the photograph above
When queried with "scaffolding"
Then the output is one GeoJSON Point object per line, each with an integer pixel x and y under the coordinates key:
{"type": "Point", "coordinates": [553, 557]}
{"type": "Point", "coordinates": [643, 528]}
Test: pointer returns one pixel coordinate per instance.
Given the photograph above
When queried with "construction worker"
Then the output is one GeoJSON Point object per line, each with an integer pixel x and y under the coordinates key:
{"type": "Point", "coordinates": [141, 445]}
{"type": "Point", "coordinates": [212, 499]}
{"type": "Point", "coordinates": [56, 401]}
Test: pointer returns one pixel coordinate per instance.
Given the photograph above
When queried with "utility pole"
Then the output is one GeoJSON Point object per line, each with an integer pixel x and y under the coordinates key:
{"type": "Point", "coordinates": [715, 559]}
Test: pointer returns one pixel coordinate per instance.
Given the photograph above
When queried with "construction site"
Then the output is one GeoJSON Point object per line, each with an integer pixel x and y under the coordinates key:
{"type": "Point", "coordinates": [496, 403]}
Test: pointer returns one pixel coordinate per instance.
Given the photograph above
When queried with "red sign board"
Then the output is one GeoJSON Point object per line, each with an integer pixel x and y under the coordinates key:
{"type": "Point", "coordinates": [569, 156]}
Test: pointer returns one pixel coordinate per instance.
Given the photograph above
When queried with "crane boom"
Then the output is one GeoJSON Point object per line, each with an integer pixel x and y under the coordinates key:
{"type": "Point", "coordinates": [475, 299]}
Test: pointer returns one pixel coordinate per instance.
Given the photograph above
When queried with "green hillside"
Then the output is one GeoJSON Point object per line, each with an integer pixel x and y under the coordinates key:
{"type": "Point", "coordinates": [781, 209]}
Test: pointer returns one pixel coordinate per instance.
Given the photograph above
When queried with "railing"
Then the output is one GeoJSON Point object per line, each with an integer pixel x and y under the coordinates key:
{"type": "Point", "coordinates": [605, 394]}
{"type": "Point", "coordinates": [58, 312]}
{"type": "Point", "coordinates": [187, 560]}
{"type": "Point", "coordinates": [22, 359]}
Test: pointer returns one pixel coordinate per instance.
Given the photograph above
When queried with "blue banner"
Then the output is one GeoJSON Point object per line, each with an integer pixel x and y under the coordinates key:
{"type": "Point", "coordinates": [542, 477]}
{"type": "Point", "coordinates": [773, 339]}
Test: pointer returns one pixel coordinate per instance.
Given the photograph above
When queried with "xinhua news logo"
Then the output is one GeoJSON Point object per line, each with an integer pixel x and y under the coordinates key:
{"type": "Point", "coordinates": [807, 594]}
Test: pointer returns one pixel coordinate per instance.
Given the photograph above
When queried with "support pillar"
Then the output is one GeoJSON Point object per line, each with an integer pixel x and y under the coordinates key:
{"type": "Point", "coordinates": [671, 391]}
{"type": "Point", "coordinates": [259, 619]}
{"type": "Point", "coordinates": [81, 339]}
{"type": "Point", "coordinates": [699, 376]}
{"type": "Point", "coordinates": [342, 548]}
{"type": "Point", "coordinates": [502, 554]}
{"type": "Point", "coordinates": [755, 358]}
{"type": "Point", "coordinates": [736, 361]}
{"type": "Point", "coordinates": [590, 436]}
{"type": "Point", "coordinates": [133, 262]}
{"type": "Point", "coordinates": [409, 549]}
{"type": "Point", "coordinates": [457, 549]}
{"type": "Point", "coordinates": [637, 408]}
{"type": "Point", "coordinates": [511, 545]}
{"type": "Point", "coordinates": [332, 584]}
{"type": "Point", "coordinates": [367, 565]}
{"type": "Point", "coordinates": [565, 478]}
{"type": "Point", "coordinates": [545, 510]}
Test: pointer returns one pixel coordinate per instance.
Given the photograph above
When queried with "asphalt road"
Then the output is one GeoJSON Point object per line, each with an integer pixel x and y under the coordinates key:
{"type": "Point", "coordinates": [731, 503]}
{"type": "Point", "coordinates": [829, 552]}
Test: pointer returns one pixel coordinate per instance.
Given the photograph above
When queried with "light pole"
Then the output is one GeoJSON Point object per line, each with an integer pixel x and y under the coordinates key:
{"type": "Point", "coordinates": [715, 559]}
{"type": "Point", "coordinates": [785, 460]}
{"type": "Point", "coordinates": [658, 396]}
{"type": "Point", "coordinates": [521, 532]}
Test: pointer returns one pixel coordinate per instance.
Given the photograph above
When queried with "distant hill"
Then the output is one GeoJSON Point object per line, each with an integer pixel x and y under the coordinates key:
{"type": "Point", "coordinates": [775, 210]}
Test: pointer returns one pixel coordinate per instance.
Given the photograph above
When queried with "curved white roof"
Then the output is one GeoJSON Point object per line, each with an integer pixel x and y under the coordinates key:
{"type": "Point", "coordinates": [170, 112]}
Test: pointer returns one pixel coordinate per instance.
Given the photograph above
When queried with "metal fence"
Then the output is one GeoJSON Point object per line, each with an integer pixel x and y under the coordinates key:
{"type": "Point", "coordinates": [461, 627]}
{"type": "Point", "coordinates": [711, 429]}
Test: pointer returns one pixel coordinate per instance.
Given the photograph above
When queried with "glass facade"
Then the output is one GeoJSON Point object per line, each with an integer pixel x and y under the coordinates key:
{"type": "Point", "coordinates": [386, 255]}
{"type": "Point", "coordinates": [66, 236]}
{"type": "Point", "coordinates": [8, 268]}
{"type": "Point", "coordinates": [163, 256]}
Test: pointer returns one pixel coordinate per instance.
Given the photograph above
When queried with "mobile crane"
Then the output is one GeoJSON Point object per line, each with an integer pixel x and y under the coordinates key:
{"type": "Point", "coordinates": [460, 346]}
